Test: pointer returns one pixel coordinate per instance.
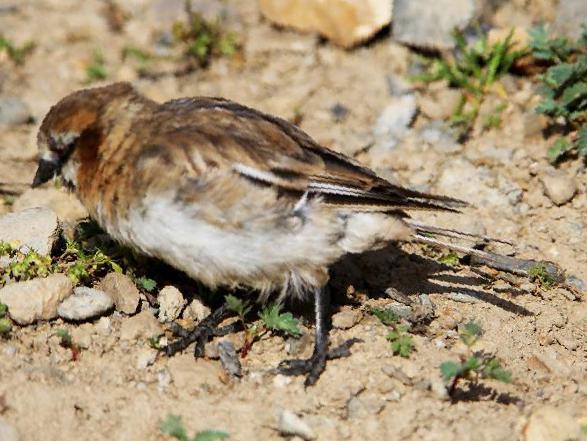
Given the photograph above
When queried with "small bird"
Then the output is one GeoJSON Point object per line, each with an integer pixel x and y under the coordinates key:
{"type": "Point", "coordinates": [234, 197]}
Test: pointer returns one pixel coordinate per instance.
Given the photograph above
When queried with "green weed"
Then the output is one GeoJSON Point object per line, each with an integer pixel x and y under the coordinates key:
{"type": "Point", "coordinates": [17, 54]}
{"type": "Point", "coordinates": [173, 426]}
{"type": "Point", "coordinates": [563, 89]}
{"type": "Point", "coordinates": [474, 366]}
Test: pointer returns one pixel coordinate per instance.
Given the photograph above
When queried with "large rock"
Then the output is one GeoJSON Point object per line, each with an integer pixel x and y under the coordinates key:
{"type": "Point", "coordinates": [558, 186]}
{"type": "Point", "coordinates": [123, 291]}
{"type": "Point", "coordinates": [429, 24]}
{"type": "Point", "coordinates": [36, 299]}
{"type": "Point", "coordinates": [141, 326]}
{"type": "Point", "coordinates": [35, 228]}
{"type": "Point", "coordinates": [345, 22]}
{"type": "Point", "coordinates": [66, 205]}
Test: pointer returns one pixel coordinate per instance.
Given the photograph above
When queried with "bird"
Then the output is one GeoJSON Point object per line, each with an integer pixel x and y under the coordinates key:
{"type": "Point", "coordinates": [235, 198]}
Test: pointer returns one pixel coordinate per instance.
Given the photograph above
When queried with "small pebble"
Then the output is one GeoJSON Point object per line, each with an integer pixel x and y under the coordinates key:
{"type": "Point", "coordinates": [7, 432]}
{"type": "Point", "coordinates": [559, 187]}
{"type": "Point", "coordinates": [86, 303]}
{"type": "Point", "coordinates": [288, 423]}
{"type": "Point", "coordinates": [346, 319]}
{"type": "Point", "coordinates": [229, 358]}
{"type": "Point", "coordinates": [171, 302]}
{"type": "Point", "coordinates": [123, 291]}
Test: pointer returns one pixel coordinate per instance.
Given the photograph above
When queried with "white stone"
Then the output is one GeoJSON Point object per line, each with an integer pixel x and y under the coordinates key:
{"type": "Point", "coordinates": [86, 303]}
{"type": "Point", "coordinates": [123, 291]}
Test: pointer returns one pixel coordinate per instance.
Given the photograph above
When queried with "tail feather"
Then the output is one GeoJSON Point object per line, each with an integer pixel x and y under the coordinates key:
{"type": "Point", "coordinates": [423, 229]}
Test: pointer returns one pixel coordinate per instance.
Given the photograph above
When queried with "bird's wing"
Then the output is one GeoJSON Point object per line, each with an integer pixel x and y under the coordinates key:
{"type": "Point", "coordinates": [272, 151]}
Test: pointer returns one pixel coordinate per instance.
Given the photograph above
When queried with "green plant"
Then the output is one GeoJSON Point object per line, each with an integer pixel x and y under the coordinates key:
{"type": "Point", "coordinates": [66, 341]}
{"type": "Point", "coordinates": [402, 343]}
{"type": "Point", "coordinates": [140, 56]}
{"type": "Point", "coordinates": [474, 69]}
{"type": "Point", "coordinates": [81, 263]}
{"type": "Point", "coordinates": [96, 70]}
{"type": "Point", "coordinates": [564, 89]}
{"type": "Point", "coordinates": [450, 259]}
{"type": "Point", "coordinates": [540, 274]}
{"type": "Point", "coordinates": [173, 426]}
{"type": "Point", "coordinates": [5, 323]}
{"type": "Point", "coordinates": [203, 39]}
{"type": "Point", "coordinates": [275, 320]}
{"type": "Point", "coordinates": [387, 316]}
{"type": "Point", "coordinates": [146, 283]}
{"type": "Point", "coordinates": [23, 265]}
{"type": "Point", "coordinates": [474, 366]}
{"type": "Point", "coordinates": [17, 54]}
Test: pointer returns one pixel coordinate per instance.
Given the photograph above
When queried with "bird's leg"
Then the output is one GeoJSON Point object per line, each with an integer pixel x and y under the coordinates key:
{"type": "Point", "coordinates": [315, 365]}
{"type": "Point", "coordinates": [207, 328]}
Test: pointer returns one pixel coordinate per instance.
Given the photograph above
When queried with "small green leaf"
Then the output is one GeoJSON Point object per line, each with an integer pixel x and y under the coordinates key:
{"type": "Point", "coordinates": [173, 426]}
{"type": "Point", "coordinates": [471, 364]}
{"type": "Point", "coordinates": [558, 149]}
{"type": "Point", "coordinates": [494, 370]}
{"type": "Point", "coordinates": [581, 143]}
{"type": "Point", "coordinates": [3, 310]}
{"type": "Point", "coordinates": [449, 370]}
{"type": "Point", "coordinates": [239, 306]}
{"type": "Point", "coordinates": [147, 284]}
{"type": "Point", "coordinates": [276, 321]}
{"type": "Point", "coordinates": [387, 316]}
{"type": "Point", "coordinates": [5, 326]}
{"type": "Point", "coordinates": [573, 93]}
{"type": "Point", "coordinates": [470, 333]}
{"type": "Point", "coordinates": [65, 337]}
{"type": "Point", "coordinates": [450, 259]}
{"type": "Point", "coordinates": [558, 75]}
{"type": "Point", "coordinates": [402, 344]}
{"type": "Point", "coordinates": [211, 435]}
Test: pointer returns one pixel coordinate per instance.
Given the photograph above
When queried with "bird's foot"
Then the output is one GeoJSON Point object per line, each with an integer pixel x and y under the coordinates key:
{"type": "Point", "coordinates": [201, 334]}
{"type": "Point", "coordinates": [315, 365]}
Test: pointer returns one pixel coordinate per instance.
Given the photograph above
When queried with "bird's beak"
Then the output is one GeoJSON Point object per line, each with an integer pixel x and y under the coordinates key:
{"type": "Point", "coordinates": [45, 171]}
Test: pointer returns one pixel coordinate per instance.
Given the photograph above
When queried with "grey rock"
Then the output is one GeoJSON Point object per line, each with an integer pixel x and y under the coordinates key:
{"type": "Point", "coordinates": [7, 432]}
{"type": "Point", "coordinates": [35, 228]}
{"type": "Point", "coordinates": [429, 25]}
{"type": "Point", "coordinates": [346, 319]}
{"type": "Point", "coordinates": [36, 299]}
{"type": "Point", "coordinates": [141, 326]}
{"type": "Point", "coordinates": [288, 423]}
{"type": "Point", "coordinates": [13, 111]}
{"type": "Point", "coordinates": [570, 15]}
{"type": "Point", "coordinates": [123, 291]}
{"type": "Point", "coordinates": [86, 303]}
{"type": "Point", "coordinates": [559, 187]}
{"type": "Point", "coordinates": [171, 302]}
{"type": "Point", "coordinates": [440, 137]}
{"type": "Point", "coordinates": [67, 207]}
{"type": "Point", "coordinates": [229, 358]}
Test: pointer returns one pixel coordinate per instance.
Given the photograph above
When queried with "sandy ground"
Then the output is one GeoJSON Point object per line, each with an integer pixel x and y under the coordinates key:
{"type": "Point", "coordinates": [541, 335]}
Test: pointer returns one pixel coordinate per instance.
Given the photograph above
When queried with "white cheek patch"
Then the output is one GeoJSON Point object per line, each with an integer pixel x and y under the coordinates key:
{"type": "Point", "coordinates": [49, 156]}
{"type": "Point", "coordinates": [69, 172]}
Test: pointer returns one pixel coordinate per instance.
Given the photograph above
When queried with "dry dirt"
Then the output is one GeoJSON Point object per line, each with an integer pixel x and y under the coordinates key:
{"type": "Point", "coordinates": [539, 334]}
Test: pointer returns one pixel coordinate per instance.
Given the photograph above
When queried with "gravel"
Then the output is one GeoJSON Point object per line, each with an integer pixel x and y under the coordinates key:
{"type": "Point", "coordinates": [86, 303]}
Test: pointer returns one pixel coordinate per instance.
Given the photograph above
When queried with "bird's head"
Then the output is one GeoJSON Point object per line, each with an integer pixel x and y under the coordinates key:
{"type": "Point", "coordinates": [73, 130]}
